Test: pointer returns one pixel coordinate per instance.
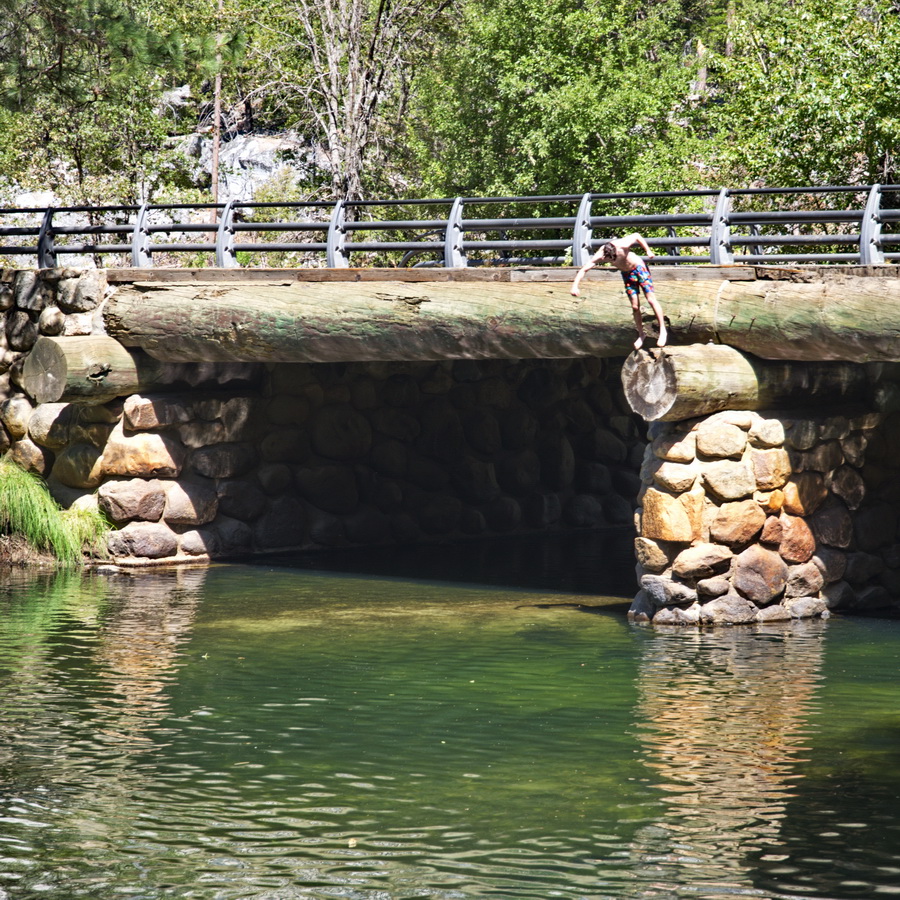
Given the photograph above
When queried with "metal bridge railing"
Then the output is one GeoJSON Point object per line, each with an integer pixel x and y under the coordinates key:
{"type": "Point", "coordinates": [831, 224]}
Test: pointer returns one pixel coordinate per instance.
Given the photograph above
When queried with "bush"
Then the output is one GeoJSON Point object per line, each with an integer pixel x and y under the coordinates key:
{"type": "Point", "coordinates": [28, 511]}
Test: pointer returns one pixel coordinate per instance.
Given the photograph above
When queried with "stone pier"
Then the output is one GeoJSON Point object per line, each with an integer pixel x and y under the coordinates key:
{"type": "Point", "coordinates": [753, 516]}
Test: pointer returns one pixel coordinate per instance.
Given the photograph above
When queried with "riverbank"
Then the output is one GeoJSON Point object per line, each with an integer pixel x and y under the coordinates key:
{"type": "Point", "coordinates": [16, 551]}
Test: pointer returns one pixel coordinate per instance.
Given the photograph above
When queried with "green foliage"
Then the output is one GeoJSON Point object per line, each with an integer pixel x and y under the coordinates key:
{"type": "Point", "coordinates": [565, 96]}
{"type": "Point", "coordinates": [87, 530]}
{"type": "Point", "coordinates": [808, 95]}
{"type": "Point", "coordinates": [471, 97]}
{"type": "Point", "coordinates": [81, 83]}
{"type": "Point", "coordinates": [27, 509]}
{"type": "Point", "coordinates": [74, 154]}
{"type": "Point", "coordinates": [79, 51]}
{"type": "Point", "coordinates": [547, 96]}
{"type": "Point", "coordinates": [85, 51]}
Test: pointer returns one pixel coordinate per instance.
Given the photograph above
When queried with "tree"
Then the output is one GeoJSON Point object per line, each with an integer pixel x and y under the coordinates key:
{"type": "Point", "coordinates": [80, 51]}
{"type": "Point", "coordinates": [808, 94]}
{"type": "Point", "coordinates": [339, 71]}
{"type": "Point", "coordinates": [546, 96]}
{"type": "Point", "coordinates": [80, 86]}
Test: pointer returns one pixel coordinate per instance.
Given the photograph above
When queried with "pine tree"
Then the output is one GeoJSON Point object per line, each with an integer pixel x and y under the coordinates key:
{"type": "Point", "coordinates": [78, 50]}
{"type": "Point", "coordinates": [80, 88]}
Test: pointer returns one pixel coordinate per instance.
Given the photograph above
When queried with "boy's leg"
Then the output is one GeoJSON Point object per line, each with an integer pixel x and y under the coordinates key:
{"type": "Point", "coordinates": [638, 320]}
{"type": "Point", "coordinates": [657, 309]}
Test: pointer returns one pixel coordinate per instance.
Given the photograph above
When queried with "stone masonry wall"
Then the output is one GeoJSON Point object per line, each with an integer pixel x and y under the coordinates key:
{"type": "Point", "coordinates": [759, 517]}
{"type": "Point", "coordinates": [60, 302]}
{"type": "Point", "coordinates": [252, 458]}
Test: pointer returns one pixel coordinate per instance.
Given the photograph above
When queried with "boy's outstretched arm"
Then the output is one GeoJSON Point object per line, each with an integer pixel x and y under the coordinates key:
{"type": "Point", "coordinates": [634, 238]}
{"type": "Point", "coordinates": [590, 264]}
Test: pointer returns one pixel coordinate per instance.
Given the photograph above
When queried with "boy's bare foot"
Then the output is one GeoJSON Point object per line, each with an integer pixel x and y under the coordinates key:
{"type": "Point", "coordinates": [639, 342]}
{"type": "Point", "coordinates": [663, 337]}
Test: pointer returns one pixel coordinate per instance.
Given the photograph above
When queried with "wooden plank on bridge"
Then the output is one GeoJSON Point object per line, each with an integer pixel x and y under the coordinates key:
{"type": "Point", "coordinates": [290, 276]}
{"type": "Point", "coordinates": [475, 274]}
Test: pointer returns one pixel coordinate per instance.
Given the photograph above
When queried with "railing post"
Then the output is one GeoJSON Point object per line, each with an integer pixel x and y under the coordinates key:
{"type": "Point", "coordinates": [870, 252]}
{"type": "Point", "coordinates": [336, 254]}
{"type": "Point", "coordinates": [454, 255]}
{"type": "Point", "coordinates": [141, 257]}
{"type": "Point", "coordinates": [225, 257]}
{"type": "Point", "coordinates": [582, 235]}
{"type": "Point", "coordinates": [674, 249]}
{"type": "Point", "coordinates": [720, 235]}
{"type": "Point", "coordinates": [755, 249]}
{"type": "Point", "coordinates": [45, 253]}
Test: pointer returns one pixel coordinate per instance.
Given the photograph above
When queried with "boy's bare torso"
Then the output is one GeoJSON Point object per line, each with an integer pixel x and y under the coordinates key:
{"type": "Point", "coordinates": [627, 262]}
{"type": "Point", "coordinates": [625, 259]}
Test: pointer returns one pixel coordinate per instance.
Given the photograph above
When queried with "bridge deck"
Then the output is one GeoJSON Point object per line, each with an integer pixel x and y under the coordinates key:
{"type": "Point", "coordinates": [499, 275]}
{"type": "Point", "coordinates": [813, 313]}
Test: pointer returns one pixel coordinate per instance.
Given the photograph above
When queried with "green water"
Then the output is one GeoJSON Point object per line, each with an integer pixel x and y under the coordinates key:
{"type": "Point", "coordinates": [481, 723]}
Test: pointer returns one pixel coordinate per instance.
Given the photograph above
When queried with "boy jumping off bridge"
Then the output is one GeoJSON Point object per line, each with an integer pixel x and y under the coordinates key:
{"type": "Point", "coordinates": [636, 276]}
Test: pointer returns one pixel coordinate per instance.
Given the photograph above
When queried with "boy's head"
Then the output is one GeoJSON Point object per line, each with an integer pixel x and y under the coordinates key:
{"type": "Point", "coordinates": [609, 251]}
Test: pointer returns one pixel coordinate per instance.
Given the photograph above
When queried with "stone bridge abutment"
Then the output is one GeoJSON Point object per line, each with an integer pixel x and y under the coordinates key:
{"type": "Point", "coordinates": [196, 461]}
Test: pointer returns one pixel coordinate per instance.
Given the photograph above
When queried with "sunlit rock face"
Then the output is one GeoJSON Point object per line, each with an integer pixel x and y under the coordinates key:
{"type": "Point", "coordinates": [759, 517]}
{"type": "Point", "coordinates": [250, 163]}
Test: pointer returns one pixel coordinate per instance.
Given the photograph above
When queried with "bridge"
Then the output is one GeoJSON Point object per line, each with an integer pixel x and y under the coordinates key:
{"type": "Point", "coordinates": [418, 370]}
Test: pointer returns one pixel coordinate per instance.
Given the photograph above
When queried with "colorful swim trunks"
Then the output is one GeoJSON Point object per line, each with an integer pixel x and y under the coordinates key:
{"type": "Point", "coordinates": [638, 277]}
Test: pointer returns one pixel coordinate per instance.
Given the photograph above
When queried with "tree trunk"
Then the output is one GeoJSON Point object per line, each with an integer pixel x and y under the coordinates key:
{"type": "Point", "coordinates": [677, 383]}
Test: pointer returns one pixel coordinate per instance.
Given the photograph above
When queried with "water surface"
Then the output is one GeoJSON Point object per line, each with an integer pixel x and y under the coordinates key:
{"type": "Point", "coordinates": [482, 722]}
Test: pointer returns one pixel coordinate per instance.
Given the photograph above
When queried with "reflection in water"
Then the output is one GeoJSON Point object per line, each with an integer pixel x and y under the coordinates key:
{"type": "Point", "coordinates": [85, 665]}
{"type": "Point", "coordinates": [150, 619]}
{"type": "Point", "coordinates": [723, 717]}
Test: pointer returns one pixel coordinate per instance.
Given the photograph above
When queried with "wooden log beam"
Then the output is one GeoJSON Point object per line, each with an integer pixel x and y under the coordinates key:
{"type": "Point", "coordinates": [88, 369]}
{"type": "Point", "coordinates": [93, 369]}
{"type": "Point", "coordinates": [676, 383]}
{"type": "Point", "coordinates": [773, 314]}
{"type": "Point", "coordinates": [818, 317]}
{"type": "Point", "coordinates": [363, 321]}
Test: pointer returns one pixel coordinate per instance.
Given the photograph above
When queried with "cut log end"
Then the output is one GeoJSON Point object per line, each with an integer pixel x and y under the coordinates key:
{"type": "Point", "coordinates": [675, 383]}
{"type": "Point", "coordinates": [88, 369]}
{"type": "Point", "coordinates": [44, 372]}
{"type": "Point", "coordinates": [650, 382]}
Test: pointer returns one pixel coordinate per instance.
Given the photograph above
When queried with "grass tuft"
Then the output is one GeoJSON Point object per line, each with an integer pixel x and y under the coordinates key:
{"type": "Point", "coordinates": [28, 510]}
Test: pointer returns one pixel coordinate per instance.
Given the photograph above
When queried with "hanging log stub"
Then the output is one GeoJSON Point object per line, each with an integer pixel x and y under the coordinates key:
{"type": "Point", "coordinates": [87, 369]}
{"type": "Point", "coordinates": [675, 383]}
{"type": "Point", "coordinates": [92, 369]}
